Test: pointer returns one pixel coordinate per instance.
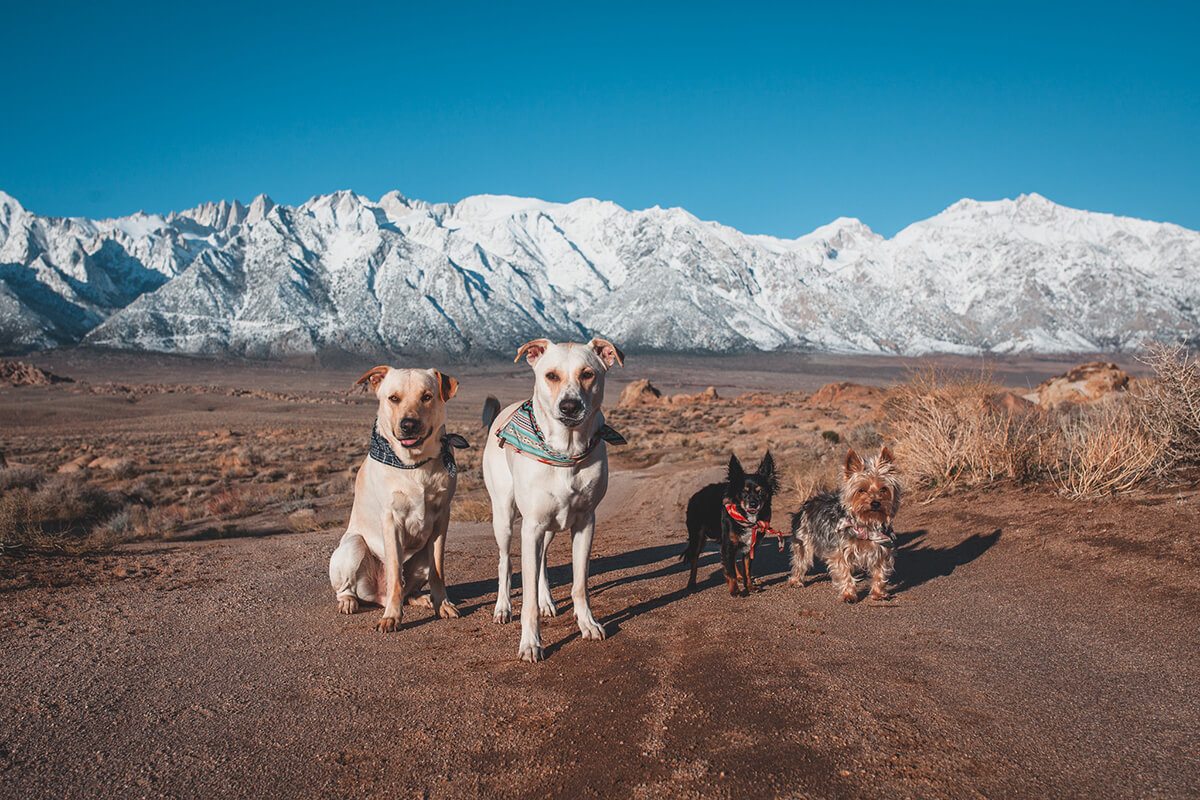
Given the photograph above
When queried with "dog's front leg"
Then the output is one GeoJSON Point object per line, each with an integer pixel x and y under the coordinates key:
{"type": "Point", "coordinates": [533, 556]}
{"type": "Point", "coordinates": [581, 555]}
{"type": "Point", "coordinates": [437, 575]}
{"type": "Point", "coordinates": [393, 575]}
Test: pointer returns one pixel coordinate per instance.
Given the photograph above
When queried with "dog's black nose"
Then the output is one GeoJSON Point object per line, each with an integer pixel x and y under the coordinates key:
{"type": "Point", "coordinates": [409, 425]}
{"type": "Point", "coordinates": [876, 505]}
{"type": "Point", "coordinates": [569, 407]}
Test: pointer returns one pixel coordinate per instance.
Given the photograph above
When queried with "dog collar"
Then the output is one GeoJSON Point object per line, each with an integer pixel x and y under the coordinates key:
{"type": "Point", "coordinates": [382, 452]}
{"type": "Point", "coordinates": [882, 535]}
{"type": "Point", "coordinates": [761, 526]}
{"type": "Point", "coordinates": [521, 432]}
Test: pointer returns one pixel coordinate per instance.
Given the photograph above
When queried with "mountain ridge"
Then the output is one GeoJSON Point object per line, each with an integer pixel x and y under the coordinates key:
{"type": "Point", "coordinates": [341, 272]}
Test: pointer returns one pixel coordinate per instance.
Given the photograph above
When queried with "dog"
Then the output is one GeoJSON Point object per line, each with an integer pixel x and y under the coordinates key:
{"type": "Point", "coordinates": [851, 530]}
{"type": "Point", "coordinates": [395, 542]}
{"type": "Point", "coordinates": [732, 513]}
{"type": "Point", "coordinates": [547, 459]}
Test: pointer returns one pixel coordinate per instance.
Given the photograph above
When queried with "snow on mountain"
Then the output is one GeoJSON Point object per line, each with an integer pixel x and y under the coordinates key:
{"type": "Point", "coordinates": [340, 272]}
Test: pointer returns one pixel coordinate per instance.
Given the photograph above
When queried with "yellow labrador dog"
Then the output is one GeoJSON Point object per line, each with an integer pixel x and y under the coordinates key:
{"type": "Point", "coordinates": [546, 458]}
{"type": "Point", "coordinates": [396, 540]}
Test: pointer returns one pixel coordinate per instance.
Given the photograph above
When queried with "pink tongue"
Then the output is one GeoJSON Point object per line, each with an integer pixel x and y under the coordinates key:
{"type": "Point", "coordinates": [408, 442]}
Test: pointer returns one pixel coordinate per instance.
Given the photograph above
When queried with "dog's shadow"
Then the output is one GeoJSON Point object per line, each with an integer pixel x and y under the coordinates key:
{"type": "Point", "coordinates": [918, 563]}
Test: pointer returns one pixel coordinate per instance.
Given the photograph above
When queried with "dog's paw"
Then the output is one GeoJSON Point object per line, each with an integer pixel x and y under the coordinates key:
{"type": "Point", "coordinates": [591, 630]}
{"type": "Point", "coordinates": [881, 595]}
{"type": "Point", "coordinates": [502, 615]}
{"type": "Point", "coordinates": [419, 601]}
{"type": "Point", "coordinates": [546, 608]}
{"type": "Point", "coordinates": [849, 597]}
{"type": "Point", "coordinates": [530, 652]}
{"type": "Point", "coordinates": [348, 605]}
{"type": "Point", "coordinates": [796, 582]}
{"type": "Point", "coordinates": [388, 624]}
{"type": "Point", "coordinates": [447, 610]}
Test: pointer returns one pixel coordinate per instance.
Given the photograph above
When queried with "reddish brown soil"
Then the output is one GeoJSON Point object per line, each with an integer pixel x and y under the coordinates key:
{"type": "Point", "coordinates": [1035, 647]}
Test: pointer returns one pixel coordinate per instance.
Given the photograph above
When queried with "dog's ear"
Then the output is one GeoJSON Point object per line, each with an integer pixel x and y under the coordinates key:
{"type": "Point", "coordinates": [374, 377]}
{"type": "Point", "coordinates": [854, 464]}
{"type": "Point", "coordinates": [447, 386]}
{"type": "Point", "coordinates": [766, 471]}
{"type": "Point", "coordinates": [885, 458]}
{"type": "Point", "coordinates": [533, 350]}
{"type": "Point", "coordinates": [607, 352]}
{"type": "Point", "coordinates": [736, 476]}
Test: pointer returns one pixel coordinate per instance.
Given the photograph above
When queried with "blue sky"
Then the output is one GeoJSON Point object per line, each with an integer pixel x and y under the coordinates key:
{"type": "Point", "coordinates": [770, 118]}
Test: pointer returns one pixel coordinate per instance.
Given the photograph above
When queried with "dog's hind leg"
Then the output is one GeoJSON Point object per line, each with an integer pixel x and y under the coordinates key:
{"type": "Point", "coordinates": [546, 606]}
{"type": "Point", "coordinates": [354, 573]}
{"type": "Point", "coordinates": [691, 552]}
{"type": "Point", "coordinates": [802, 561]}
{"type": "Point", "coordinates": [503, 512]}
{"type": "Point", "coordinates": [581, 554]}
{"type": "Point", "coordinates": [532, 561]}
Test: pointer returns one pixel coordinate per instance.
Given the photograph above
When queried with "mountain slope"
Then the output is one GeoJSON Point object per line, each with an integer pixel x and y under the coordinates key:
{"type": "Point", "coordinates": [402, 276]}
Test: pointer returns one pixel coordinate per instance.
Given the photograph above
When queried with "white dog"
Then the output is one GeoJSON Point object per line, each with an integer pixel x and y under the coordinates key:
{"type": "Point", "coordinates": [395, 542]}
{"type": "Point", "coordinates": [547, 459]}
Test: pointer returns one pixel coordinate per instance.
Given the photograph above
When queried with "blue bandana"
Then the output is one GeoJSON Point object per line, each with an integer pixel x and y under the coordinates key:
{"type": "Point", "coordinates": [382, 452]}
{"type": "Point", "coordinates": [522, 433]}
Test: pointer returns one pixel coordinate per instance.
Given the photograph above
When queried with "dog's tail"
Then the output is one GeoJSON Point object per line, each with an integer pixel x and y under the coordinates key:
{"type": "Point", "coordinates": [491, 410]}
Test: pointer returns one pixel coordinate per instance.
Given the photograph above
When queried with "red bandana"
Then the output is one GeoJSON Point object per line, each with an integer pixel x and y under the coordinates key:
{"type": "Point", "coordinates": [759, 527]}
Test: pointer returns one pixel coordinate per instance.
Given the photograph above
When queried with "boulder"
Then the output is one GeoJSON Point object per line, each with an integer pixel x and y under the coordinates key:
{"type": "Point", "coordinates": [18, 373]}
{"type": "Point", "coordinates": [1086, 383]}
{"type": "Point", "coordinates": [78, 464]}
{"type": "Point", "coordinates": [709, 395]}
{"type": "Point", "coordinates": [834, 394]}
{"type": "Point", "coordinates": [1013, 403]}
{"type": "Point", "coordinates": [639, 393]}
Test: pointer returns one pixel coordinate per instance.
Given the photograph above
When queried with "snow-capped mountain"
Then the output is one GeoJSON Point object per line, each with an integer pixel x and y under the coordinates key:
{"type": "Point", "coordinates": [488, 273]}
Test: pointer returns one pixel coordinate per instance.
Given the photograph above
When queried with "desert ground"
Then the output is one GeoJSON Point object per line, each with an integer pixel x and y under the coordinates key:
{"type": "Point", "coordinates": [187, 644]}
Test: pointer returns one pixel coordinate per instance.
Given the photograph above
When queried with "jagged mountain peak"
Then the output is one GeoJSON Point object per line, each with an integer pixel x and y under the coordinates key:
{"type": "Point", "coordinates": [491, 271]}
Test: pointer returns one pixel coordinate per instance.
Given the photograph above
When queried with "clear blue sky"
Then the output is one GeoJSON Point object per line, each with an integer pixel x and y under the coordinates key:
{"type": "Point", "coordinates": [772, 119]}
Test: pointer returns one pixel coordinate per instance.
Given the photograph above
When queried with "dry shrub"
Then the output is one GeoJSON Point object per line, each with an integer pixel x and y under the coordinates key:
{"type": "Point", "coordinates": [235, 502]}
{"type": "Point", "coordinates": [72, 500]}
{"type": "Point", "coordinates": [1105, 448]}
{"type": "Point", "coordinates": [20, 477]}
{"type": "Point", "coordinates": [1170, 404]}
{"type": "Point", "coordinates": [20, 525]}
{"type": "Point", "coordinates": [949, 432]}
{"type": "Point", "coordinates": [471, 509]}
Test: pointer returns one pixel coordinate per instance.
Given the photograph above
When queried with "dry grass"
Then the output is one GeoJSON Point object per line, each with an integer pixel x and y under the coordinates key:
{"type": "Point", "coordinates": [1104, 448]}
{"type": "Point", "coordinates": [950, 433]}
{"type": "Point", "coordinates": [1170, 405]}
{"type": "Point", "coordinates": [471, 509]}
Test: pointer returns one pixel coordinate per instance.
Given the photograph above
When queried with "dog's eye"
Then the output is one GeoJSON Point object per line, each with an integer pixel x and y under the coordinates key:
{"type": "Point", "coordinates": [552, 377]}
{"type": "Point", "coordinates": [425, 398]}
{"type": "Point", "coordinates": [587, 375]}
{"type": "Point", "coordinates": [395, 398]}
{"type": "Point", "coordinates": [862, 491]}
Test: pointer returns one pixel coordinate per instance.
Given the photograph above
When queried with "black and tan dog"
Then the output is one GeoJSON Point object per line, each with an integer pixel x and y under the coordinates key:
{"type": "Point", "coordinates": [733, 513]}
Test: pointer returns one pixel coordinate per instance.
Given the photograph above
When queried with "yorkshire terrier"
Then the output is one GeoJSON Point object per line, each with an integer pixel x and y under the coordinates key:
{"type": "Point", "coordinates": [851, 530]}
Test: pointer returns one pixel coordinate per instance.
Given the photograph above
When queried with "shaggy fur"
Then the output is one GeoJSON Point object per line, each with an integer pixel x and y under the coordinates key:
{"type": "Point", "coordinates": [851, 530]}
{"type": "Point", "coordinates": [708, 520]}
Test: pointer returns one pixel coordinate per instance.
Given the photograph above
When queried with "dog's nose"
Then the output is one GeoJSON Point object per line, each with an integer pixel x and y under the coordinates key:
{"type": "Point", "coordinates": [569, 406]}
{"type": "Point", "coordinates": [876, 505]}
{"type": "Point", "coordinates": [409, 425]}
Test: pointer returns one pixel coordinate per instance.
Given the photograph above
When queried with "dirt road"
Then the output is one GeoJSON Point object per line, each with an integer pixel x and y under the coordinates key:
{"type": "Point", "coordinates": [1027, 653]}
